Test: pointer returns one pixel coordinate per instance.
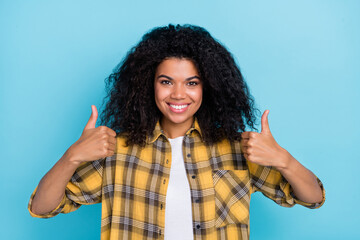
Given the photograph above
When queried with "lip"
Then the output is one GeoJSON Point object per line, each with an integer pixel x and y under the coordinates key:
{"type": "Point", "coordinates": [178, 110]}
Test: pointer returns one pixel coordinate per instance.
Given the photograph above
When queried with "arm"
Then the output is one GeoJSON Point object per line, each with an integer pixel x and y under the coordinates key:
{"type": "Point", "coordinates": [94, 144]}
{"type": "Point", "coordinates": [262, 149]}
{"type": "Point", "coordinates": [51, 188]}
{"type": "Point", "coordinates": [303, 181]}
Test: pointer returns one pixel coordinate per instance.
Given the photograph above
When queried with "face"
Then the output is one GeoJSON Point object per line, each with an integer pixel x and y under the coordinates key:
{"type": "Point", "coordinates": [178, 91]}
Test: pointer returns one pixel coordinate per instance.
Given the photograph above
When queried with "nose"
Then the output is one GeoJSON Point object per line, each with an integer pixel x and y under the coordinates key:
{"type": "Point", "coordinates": [179, 92]}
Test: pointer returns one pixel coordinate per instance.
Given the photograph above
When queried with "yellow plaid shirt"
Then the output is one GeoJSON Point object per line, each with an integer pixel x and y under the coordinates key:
{"type": "Point", "coordinates": [132, 184]}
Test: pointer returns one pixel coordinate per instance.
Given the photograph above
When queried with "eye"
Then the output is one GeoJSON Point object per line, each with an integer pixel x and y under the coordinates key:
{"type": "Point", "coordinates": [193, 83]}
{"type": "Point", "coordinates": [165, 82]}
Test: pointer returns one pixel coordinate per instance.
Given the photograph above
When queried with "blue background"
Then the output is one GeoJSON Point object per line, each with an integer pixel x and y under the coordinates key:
{"type": "Point", "coordinates": [301, 60]}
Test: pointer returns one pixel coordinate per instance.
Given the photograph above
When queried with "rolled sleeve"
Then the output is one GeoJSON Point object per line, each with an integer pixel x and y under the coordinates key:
{"type": "Point", "coordinates": [309, 205]}
{"type": "Point", "coordinates": [65, 206]}
{"type": "Point", "coordinates": [273, 185]}
{"type": "Point", "coordinates": [84, 188]}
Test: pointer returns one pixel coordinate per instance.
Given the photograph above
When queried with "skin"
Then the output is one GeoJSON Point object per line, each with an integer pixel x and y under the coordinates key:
{"type": "Point", "coordinates": [94, 143]}
{"type": "Point", "coordinates": [171, 86]}
{"type": "Point", "coordinates": [176, 82]}
{"type": "Point", "coordinates": [261, 148]}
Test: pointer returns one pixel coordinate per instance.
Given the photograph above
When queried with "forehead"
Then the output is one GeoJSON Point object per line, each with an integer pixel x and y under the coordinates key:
{"type": "Point", "coordinates": [177, 66]}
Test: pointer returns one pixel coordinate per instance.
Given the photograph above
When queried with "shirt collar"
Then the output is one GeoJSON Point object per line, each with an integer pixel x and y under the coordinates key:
{"type": "Point", "coordinates": [158, 131]}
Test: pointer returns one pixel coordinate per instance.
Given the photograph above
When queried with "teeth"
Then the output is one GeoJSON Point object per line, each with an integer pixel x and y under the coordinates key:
{"type": "Point", "coordinates": [178, 106]}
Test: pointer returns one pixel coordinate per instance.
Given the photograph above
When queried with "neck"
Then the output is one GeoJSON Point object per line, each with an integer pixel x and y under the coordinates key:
{"type": "Point", "coordinates": [174, 130]}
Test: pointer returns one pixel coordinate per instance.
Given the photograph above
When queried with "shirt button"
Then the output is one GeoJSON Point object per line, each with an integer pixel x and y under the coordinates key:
{"type": "Point", "coordinates": [164, 181]}
{"type": "Point", "coordinates": [167, 161]}
{"type": "Point", "coordinates": [161, 206]}
{"type": "Point", "coordinates": [198, 226]}
{"type": "Point", "coordinates": [193, 176]}
{"type": "Point", "coordinates": [197, 200]}
{"type": "Point", "coordinates": [188, 155]}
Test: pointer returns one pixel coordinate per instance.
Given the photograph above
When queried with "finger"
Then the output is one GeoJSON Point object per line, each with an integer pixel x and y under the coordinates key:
{"type": "Point", "coordinates": [248, 135]}
{"type": "Point", "coordinates": [106, 151]}
{"type": "Point", "coordinates": [93, 117]}
{"type": "Point", "coordinates": [111, 146]}
{"type": "Point", "coordinates": [265, 123]}
{"type": "Point", "coordinates": [111, 132]}
{"type": "Point", "coordinates": [245, 135]}
{"type": "Point", "coordinates": [242, 145]}
{"type": "Point", "coordinates": [112, 140]}
{"type": "Point", "coordinates": [107, 130]}
{"type": "Point", "coordinates": [244, 142]}
{"type": "Point", "coordinates": [244, 149]}
{"type": "Point", "coordinates": [109, 153]}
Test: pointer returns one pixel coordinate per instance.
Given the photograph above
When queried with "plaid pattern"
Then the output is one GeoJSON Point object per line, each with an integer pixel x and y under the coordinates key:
{"type": "Point", "coordinates": [132, 184]}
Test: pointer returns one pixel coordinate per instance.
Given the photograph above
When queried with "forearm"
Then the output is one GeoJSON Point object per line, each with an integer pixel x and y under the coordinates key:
{"type": "Point", "coordinates": [51, 188]}
{"type": "Point", "coordinates": [303, 181]}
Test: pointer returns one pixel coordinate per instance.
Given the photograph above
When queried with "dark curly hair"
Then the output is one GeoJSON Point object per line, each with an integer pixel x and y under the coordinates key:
{"type": "Point", "coordinates": [227, 106]}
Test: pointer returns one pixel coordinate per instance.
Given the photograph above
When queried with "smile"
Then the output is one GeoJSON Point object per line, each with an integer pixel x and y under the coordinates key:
{"type": "Point", "coordinates": [178, 108]}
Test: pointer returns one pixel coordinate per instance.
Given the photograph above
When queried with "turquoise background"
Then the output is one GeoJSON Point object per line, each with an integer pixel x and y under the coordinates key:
{"type": "Point", "coordinates": [301, 60]}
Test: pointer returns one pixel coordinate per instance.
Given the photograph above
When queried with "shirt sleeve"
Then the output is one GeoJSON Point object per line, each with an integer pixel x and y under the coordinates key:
{"type": "Point", "coordinates": [84, 188]}
{"type": "Point", "coordinates": [273, 185]}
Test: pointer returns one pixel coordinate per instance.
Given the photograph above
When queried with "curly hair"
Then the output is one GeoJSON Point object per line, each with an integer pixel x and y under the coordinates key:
{"type": "Point", "coordinates": [227, 106]}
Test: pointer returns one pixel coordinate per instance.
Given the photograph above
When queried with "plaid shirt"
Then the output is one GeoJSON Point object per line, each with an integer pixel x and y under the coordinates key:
{"type": "Point", "coordinates": [132, 184]}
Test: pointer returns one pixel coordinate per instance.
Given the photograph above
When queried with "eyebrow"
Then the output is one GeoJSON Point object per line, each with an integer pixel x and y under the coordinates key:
{"type": "Point", "coordinates": [170, 78]}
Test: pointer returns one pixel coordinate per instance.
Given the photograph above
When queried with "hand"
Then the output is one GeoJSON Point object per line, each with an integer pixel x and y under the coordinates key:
{"type": "Point", "coordinates": [94, 143]}
{"type": "Point", "coordinates": [261, 148]}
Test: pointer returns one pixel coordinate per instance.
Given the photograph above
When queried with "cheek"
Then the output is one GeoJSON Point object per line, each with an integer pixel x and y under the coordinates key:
{"type": "Point", "coordinates": [160, 94]}
{"type": "Point", "coordinates": [196, 95]}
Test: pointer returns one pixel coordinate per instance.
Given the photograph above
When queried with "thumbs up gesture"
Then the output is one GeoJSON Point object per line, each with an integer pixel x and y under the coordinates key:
{"type": "Point", "coordinates": [261, 148]}
{"type": "Point", "coordinates": [94, 143]}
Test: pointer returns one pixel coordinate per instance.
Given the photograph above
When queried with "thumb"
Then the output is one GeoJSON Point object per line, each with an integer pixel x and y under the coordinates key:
{"type": "Point", "coordinates": [265, 123]}
{"type": "Point", "coordinates": [93, 117]}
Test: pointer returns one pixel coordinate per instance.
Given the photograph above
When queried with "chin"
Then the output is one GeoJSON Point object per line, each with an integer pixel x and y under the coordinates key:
{"type": "Point", "coordinates": [178, 119]}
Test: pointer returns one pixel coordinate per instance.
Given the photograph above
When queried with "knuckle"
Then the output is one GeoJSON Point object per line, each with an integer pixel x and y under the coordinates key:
{"type": "Point", "coordinates": [102, 128]}
{"type": "Point", "coordinates": [252, 135]}
{"type": "Point", "coordinates": [104, 136]}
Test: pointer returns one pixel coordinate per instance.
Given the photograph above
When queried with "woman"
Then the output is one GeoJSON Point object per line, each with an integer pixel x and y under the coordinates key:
{"type": "Point", "coordinates": [173, 143]}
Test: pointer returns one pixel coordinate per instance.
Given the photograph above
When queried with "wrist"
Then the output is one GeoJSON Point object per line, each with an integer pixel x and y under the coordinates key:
{"type": "Point", "coordinates": [285, 160]}
{"type": "Point", "coordinates": [70, 158]}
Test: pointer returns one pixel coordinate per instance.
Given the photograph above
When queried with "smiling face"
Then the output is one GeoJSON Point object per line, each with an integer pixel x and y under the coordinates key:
{"type": "Point", "coordinates": [178, 94]}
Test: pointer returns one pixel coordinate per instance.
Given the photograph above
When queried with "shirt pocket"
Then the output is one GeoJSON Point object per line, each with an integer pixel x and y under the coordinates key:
{"type": "Point", "coordinates": [232, 197]}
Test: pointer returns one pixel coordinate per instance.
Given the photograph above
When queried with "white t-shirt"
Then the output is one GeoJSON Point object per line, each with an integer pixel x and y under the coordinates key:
{"type": "Point", "coordinates": [178, 212]}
